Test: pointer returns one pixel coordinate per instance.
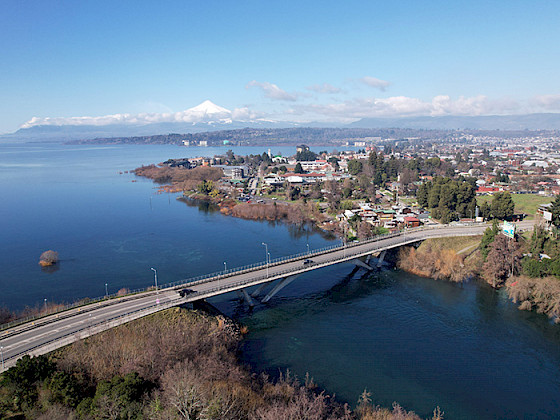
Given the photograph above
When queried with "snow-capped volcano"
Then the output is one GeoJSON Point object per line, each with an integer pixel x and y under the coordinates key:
{"type": "Point", "coordinates": [203, 117]}
{"type": "Point", "coordinates": [207, 111]}
{"type": "Point", "coordinates": [209, 108]}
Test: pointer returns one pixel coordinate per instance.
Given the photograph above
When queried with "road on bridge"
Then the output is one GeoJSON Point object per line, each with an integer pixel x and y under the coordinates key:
{"type": "Point", "coordinates": [54, 331]}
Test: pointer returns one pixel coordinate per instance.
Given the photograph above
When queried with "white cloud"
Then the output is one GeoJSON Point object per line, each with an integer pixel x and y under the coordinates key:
{"type": "Point", "coordinates": [272, 91]}
{"type": "Point", "coordinates": [375, 82]}
{"type": "Point", "coordinates": [403, 106]}
{"type": "Point", "coordinates": [246, 114]}
{"type": "Point", "coordinates": [324, 88]}
{"type": "Point", "coordinates": [306, 111]}
{"type": "Point", "coordinates": [207, 111]}
{"type": "Point", "coordinates": [547, 102]}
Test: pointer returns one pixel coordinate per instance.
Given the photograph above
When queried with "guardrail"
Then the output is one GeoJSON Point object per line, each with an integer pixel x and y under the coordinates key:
{"type": "Point", "coordinates": [295, 270]}
{"type": "Point", "coordinates": [91, 327]}
{"type": "Point", "coordinates": [111, 299]}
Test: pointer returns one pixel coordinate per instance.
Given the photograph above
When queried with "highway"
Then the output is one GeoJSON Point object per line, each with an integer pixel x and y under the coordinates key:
{"type": "Point", "coordinates": [46, 334]}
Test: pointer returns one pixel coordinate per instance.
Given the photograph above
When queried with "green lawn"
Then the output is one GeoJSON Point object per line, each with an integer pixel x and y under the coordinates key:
{"type": "Point", "coordinates": [524, 203]}
{"type": "Point", "coordinates": [407, 201]}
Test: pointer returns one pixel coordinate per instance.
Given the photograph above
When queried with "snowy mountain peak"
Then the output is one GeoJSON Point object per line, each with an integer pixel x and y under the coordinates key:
{"type": "Point", "coordinates": [208, 107]}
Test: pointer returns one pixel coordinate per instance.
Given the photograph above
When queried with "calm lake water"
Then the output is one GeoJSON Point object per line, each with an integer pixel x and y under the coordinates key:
{"type": "Point", "coordinates": [417, 341]}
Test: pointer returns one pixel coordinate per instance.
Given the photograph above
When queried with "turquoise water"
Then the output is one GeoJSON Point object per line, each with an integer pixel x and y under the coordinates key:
{"type": "Point", "coordinates": [417, 341]}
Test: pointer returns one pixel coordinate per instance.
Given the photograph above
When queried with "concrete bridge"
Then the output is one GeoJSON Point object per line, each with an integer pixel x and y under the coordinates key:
{"type": "Point", "coordinates": [45, 334]}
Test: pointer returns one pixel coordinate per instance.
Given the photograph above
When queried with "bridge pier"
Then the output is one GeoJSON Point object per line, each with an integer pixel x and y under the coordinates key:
{"type": "Point", "coordinates": [361, 264]}
{"type": "Point", "coordinates": [259, 289]}
{"type": "Point", "coordinates": [243, 295]}
{"type": "Point", "coordinates": [381, 258]}
{"type": "Point", "coordinates": [283, 283]}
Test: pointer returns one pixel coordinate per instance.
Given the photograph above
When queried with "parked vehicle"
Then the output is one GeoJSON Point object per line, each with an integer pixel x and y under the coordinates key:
{"type": "Point", "coordinates": [307, 262]}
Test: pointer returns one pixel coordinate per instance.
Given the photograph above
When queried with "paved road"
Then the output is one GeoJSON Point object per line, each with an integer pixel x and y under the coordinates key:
{"type": "Point", "coordinates": [55, 331]}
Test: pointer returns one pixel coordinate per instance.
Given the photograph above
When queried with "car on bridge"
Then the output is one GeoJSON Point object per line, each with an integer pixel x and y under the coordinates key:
{"type": "Point", "coordinates": [307, 262]}
{"type": "Point", "coordinates": [186, 292]}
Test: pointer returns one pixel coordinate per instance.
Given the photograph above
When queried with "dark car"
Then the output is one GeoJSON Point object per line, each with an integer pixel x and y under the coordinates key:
{"type": "Point", "coordinates": [307, 262]}
{"type": "Point", "coordinates": [186, 292]}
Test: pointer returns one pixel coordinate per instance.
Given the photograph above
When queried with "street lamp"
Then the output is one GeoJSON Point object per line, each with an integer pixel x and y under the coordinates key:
{"type": "Point", "coordinates": [45, 304]}
{"type": "Point", "coordinates": [2, 354]}
{"type": "Point", "coordinates": [266, 257]}
{"type": "Point", "coordinates": [308, 248]}
{"type": "Point", "coordinates": [106, 292]}
{"type": "Point", "coordinates": [155, 280]}
{"type": "Point", "coordinates": [225, 267]}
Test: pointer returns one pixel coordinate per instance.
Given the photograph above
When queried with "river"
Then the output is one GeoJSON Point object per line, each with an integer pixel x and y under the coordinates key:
{"type": "Point", "coordinates": [404, 338]}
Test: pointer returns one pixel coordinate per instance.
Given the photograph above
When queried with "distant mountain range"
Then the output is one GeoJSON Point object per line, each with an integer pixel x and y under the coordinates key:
{"type": "Point", "coordinates": [210, 117]}
{"type": "Point", "coordinates": [489, 122]}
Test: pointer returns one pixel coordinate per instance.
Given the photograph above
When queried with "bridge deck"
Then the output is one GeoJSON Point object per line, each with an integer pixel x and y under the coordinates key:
{"type": "Point", "coordinates": [58, 330]}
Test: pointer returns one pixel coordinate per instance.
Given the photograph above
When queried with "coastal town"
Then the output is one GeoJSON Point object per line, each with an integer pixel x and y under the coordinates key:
{"type": "Point", "coordinates": [381, 186]}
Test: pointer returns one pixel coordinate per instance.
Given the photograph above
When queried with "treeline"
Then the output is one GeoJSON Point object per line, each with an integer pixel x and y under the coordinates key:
{"type": "Point", "coordinates": [448, 199]}
{"type": "Point", "coordinates": [530, 270]}
{"type": "Point", "coordinates": [186, 179]}
{"type": "Point", "coordinates": [276, 136]}
{"type": "Point", "coordinates": [170, 365]}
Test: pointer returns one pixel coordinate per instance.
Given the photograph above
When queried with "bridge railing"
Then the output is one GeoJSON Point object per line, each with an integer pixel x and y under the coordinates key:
{"type": "Point", "coordinates": [283, 273]}
{"type": "Point", "coordinates": [280, 260]}
{"type": "Point", "coordinates": [110, 298]}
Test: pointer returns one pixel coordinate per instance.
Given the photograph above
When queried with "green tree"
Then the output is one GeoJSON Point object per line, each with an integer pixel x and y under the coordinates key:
{"type": "Point", "coordinates": [205, 187]}
{"type": "Point", "coordinates": [555, 210]}
{"type": "Point", "coordinates": [484, 211]}
{"type": "Point", "coordinates": [502, 206]}
{"type": "Point", "coordinates": [298, 169]}
{"type": "Point", "coordinates": [333, 160]}
{"type": "Point", "coordinates": [354, 167]}
{"type": "Point", "coordinates": [306, 155]}
{"type": "Point", "coordinates": [422, 195]}
{"type": "Point", "coordinates": [64, 388]}
{"type": "Point", "coordinates": [488, 238]}
{"type": "Point", "coordinates": [22, 379]}
{"type": "Point", "coordinates": [120, 397]}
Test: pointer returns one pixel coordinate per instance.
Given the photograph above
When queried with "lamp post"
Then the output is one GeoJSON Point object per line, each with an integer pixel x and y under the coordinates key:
{"type": "Point", "coordinates": [106, 291]}
{"type": "Point", "coordinates": [225, 267]}
{"type": "Point", "coordinates": [2, 354]}
{"type": "Point", "coordinates": [266, 257]}
{"type": "Point", "coordinates": [45, 304]}
{"type": "Point", "coordinates": [155, 280]}
{"type": "Point", "coordinates": [308, 248]}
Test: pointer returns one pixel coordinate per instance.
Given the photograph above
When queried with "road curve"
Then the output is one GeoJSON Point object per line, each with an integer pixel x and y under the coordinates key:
{"type": "Point", "coordinates": [49, 333]}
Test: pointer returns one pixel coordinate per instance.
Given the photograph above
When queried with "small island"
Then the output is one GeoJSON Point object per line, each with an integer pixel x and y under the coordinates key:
{"type": "Point", "coordinates": [48, 258]}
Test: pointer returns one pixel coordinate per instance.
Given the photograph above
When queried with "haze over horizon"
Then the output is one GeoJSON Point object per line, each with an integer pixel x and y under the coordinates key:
{"type": "Point", "coordinates": [78, 63]}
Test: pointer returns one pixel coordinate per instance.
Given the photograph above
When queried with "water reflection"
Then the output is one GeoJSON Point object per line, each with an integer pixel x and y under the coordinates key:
{"type": "Point", "coordinates": [50, 269]}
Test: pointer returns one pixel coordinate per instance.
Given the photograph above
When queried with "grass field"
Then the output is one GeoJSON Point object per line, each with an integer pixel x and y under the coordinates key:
{"type": "Point", "coordinates": [459, 243]}
{"type": "Point", "coordinates": [524, 203]}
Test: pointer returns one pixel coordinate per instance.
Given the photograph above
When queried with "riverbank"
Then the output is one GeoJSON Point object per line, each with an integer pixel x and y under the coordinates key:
{"type": "Point", "coordinates": [459, 259]}
{"type": "Point", "coordinates": [454, 259]}
{"type": "Point", "coordinates": [188, 182]}
{"type": "Point", "coordinates": [176, 363]}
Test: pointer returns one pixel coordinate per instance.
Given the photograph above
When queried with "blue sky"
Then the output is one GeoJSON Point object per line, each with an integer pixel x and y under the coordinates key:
{"type": "Point", "coordinates": [288, 60]}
